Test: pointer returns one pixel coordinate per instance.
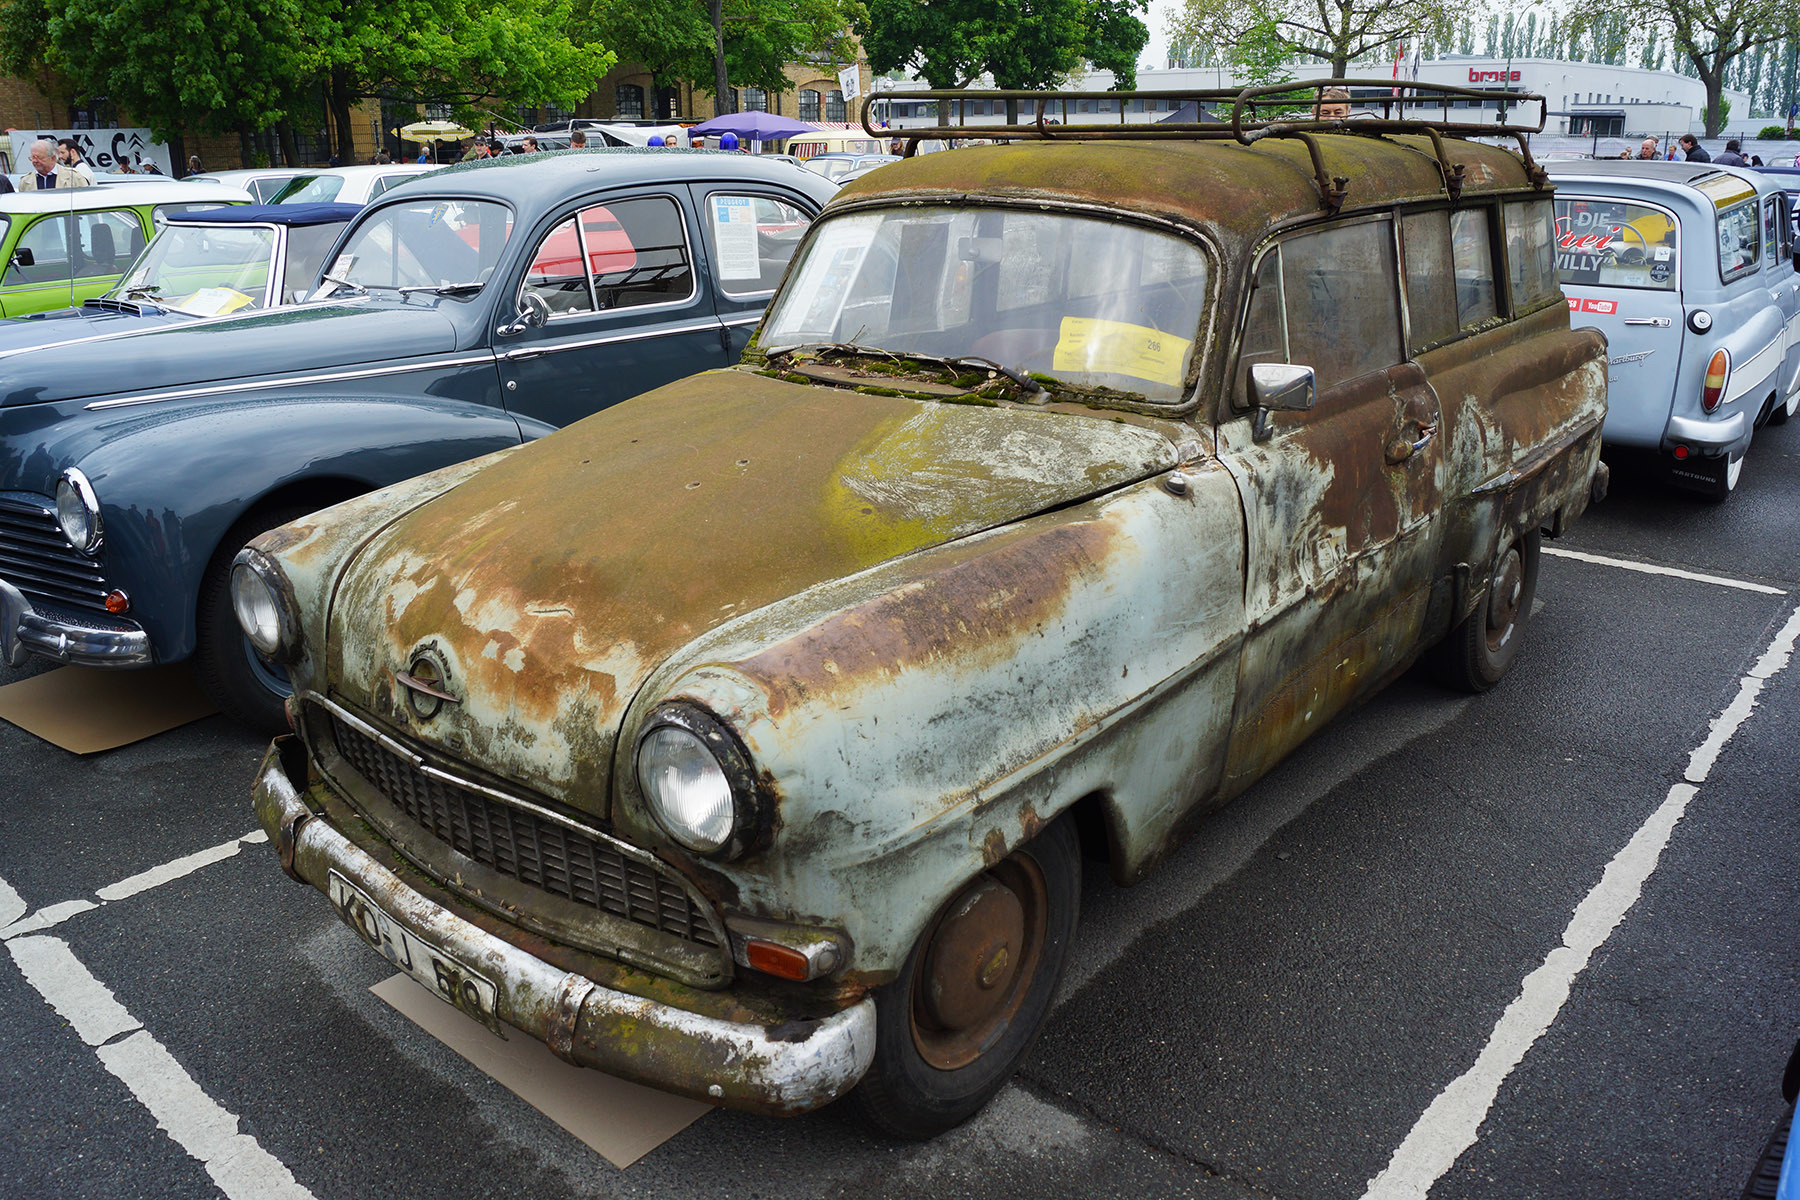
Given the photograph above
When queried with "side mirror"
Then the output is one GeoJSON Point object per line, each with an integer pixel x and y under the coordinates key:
{"type": "Point", "coordinates": [23, 257]}
{"type": "Point", "coordinates": [534, 310]}
{"type": "Point", "coordinates": [1279, 387]}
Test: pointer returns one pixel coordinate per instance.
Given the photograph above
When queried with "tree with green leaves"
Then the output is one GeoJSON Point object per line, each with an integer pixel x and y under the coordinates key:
{"type": "Point", "coordinates": [1707, 37]}
{"type": "Point", "coordinates": [1018, 43]}
{"type": "Point", "coordinates": [1338, 32]}
{"type": "Point", "coordinates": [714, 43]}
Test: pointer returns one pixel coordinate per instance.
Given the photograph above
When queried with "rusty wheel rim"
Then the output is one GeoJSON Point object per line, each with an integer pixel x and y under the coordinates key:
{"type": "Point", "coordinates": [1504, 593]}
{"type": "Point", "coordinates": [979, 963]}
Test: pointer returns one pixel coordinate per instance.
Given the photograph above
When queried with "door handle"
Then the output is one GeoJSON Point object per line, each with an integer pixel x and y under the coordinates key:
{"type": "Point", "coordinates": [1659, 322]}
{"type": "Point", "coordinates": [1399, 449]}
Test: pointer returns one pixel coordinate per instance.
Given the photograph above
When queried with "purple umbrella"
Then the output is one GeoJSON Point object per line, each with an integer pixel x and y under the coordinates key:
{"type": "Point", "coordinates": [762, 126]}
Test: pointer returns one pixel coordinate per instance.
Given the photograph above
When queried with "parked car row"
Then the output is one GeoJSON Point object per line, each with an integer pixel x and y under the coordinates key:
{"type": "Point", "coordinates": [739, 729]}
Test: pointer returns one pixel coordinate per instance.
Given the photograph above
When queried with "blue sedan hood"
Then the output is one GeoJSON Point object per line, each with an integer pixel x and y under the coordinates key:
{"type": "Point", "coordinates": [260, 344]}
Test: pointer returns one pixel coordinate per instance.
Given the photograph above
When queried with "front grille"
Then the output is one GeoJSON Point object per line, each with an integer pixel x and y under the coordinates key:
{"type": "Point", "coordinates": [37, 559]}
{"type": "Point", "coordinates": [518, 843]}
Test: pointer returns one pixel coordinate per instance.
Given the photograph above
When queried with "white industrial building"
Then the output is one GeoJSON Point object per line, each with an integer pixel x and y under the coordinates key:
{"type": "Point", "coordinates": [1584, 99]}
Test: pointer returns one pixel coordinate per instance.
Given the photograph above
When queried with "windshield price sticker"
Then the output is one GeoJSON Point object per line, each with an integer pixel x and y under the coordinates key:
{"type": "Point", "coordinates": [1093, 345]}
{"type": "Point", "coordinates": [734, 237]}
{"type": "Point", "coordinates": [214, 302]}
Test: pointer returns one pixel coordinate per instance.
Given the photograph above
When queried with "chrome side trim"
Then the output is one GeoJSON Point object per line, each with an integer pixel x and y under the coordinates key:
{"type": "Point", "coordinates": [747, 319]}
{"type": "Point", "coordinates": [263, 385]}
{"type": "Point", "coordinates": [635, 335]}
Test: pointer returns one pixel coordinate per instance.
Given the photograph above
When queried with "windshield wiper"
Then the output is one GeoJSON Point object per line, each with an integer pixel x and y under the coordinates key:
{"type": "Point", "coordinates": [138, 290]}
{"type": "Point", "coordinates": [345, 283]}
{"type": "Point", "coordinates": [442, 289]}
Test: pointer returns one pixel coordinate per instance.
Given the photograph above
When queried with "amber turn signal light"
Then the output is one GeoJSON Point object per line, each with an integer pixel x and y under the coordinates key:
{"type": "Point", "coordinates": [783, 962]}
{"type": "Point", "coordinates": [1717, 371]}
{"type": "Point", "coordinates": [117, 603]}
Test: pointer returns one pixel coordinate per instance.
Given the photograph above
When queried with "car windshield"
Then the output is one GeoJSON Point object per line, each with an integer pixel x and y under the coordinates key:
{"type": "Point", "coordinates": [310, 189]}
{"type": "Point", "coordinates": [1096, 303]}
{"type": "Point", "coordinates": [203, 270]}
{"type": "Point", "coordinates": [424, 244]}
{"type": "Point", "coordinates": [1615, 244]}
{"type": "Point", "coordinates": [828, 166]}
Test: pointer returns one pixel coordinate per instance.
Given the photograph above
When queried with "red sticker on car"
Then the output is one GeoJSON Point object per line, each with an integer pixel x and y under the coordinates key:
{"type": "Point", "coordinates": [1606, 307]}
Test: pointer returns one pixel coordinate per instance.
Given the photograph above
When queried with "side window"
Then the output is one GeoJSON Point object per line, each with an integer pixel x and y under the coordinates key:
{"type": "Point", "coordinates": [1740, 240]}
{"type": "Point", "coordinates": [48, 241]}
{"type": "Point", "coordinates": [751, 239]}
{"type": "Point", "coordinates": [638, 252]}
{"type": "Point", "coordinates": [557, 273]}
{"type": "Point", "coordinates": [1342, 301]}
{"type": "Point", "coordinates": [1775, 228]}
{"type": "Point", "coordinates": [1430, 277]}
{"type": "Point", "coordinates": [1265, 326]}
{"type": "Point", "coordinates": [1472, 251]}
{"type": "Point", "coordinates": [106, 246]}
{"type": "Point", "coordinates": [1531, 253]}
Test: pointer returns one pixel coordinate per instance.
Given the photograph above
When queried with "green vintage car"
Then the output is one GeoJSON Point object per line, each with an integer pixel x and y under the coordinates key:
{"type": "Point", "coordinates": [65, 246]}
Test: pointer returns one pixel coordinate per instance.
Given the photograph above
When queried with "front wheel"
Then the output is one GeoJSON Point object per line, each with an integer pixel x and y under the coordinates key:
{"type": "Point", "coordinates": [235, 676]}
{"type": "Point", "coordinates": [1482, 646]}
{"type": "Point", "coordinates": [975, 992]}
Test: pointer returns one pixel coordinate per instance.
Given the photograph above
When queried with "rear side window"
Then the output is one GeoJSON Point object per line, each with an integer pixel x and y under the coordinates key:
{"type": "Point", "coordinates": [1611, 243]}
{"type": "Point", "coordinates": [1340, 288]}
{"type": "Point", "coordinates": [1430, 277]}
{"type": "Point", "coordinates": [1531, 253]}
{"type": "Point", "coordinates": [1472, 249]}
{"type": "Point", "coordinates": [1740, 240]}
{"type": "Point", "coordinates": [751, 238]}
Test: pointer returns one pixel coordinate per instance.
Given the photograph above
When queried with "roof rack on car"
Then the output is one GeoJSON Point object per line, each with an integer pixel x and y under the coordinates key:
{"type": "Point", "coordinates": [1254, 113]}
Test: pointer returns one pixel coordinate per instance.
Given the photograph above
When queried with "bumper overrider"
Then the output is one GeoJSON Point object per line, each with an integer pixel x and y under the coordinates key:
{"type": "Point", "coordinates": [776, 1070]}
{"type": "Point", "coordinates": [26, 630]}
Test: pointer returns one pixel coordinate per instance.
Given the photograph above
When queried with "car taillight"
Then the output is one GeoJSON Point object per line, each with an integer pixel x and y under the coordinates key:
{"type": "Point", "coordinates": [1717, 372]}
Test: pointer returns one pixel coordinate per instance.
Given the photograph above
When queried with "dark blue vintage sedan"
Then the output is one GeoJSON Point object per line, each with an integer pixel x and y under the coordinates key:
{"type": "Point", "coordinates": [464, 312]}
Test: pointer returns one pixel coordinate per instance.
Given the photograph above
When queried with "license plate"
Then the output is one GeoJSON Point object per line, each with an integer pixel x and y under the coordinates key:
{"type": "Point", "coordinates": [456, 983]}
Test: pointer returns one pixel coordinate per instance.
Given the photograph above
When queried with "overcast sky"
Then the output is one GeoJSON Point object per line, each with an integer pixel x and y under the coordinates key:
{"type": "Point", "coordinates": [1156, 51]}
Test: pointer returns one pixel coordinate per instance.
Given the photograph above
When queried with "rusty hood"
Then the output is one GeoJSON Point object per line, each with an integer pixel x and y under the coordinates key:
{"type": "Point", "coordinates": [548, 586]}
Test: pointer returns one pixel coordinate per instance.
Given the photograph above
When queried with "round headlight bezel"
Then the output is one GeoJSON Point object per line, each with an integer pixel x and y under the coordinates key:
{"type": "Point", "coordinates": [750, 809]}
{"type": "Point", "coordinates": [73, 491]}
{"type": "Point", "coordinates": [254, 569]}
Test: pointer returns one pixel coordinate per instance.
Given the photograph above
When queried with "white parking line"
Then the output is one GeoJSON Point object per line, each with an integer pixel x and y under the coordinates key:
{"type": "Point", "coordinates": [1626, 564]}
{"type": "Point", "coordinates": [14, 923]}
{"type": "Point", "coordinates": [1453, 1121]}
{"type": "Point", "coordinates": [237, 1163]}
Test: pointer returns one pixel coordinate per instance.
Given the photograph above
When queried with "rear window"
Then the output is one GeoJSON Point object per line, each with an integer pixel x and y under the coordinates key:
{"type": "Point", "coordinates": [1613, 243]}
{"type": "Point", "coordinates": [1740, 240]}
{"type": "Point", "coordinates": [1530, 253]}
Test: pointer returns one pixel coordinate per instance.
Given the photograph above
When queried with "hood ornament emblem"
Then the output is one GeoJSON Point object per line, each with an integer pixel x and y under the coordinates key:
{"type": "Point", "coordinates": [424, 681]}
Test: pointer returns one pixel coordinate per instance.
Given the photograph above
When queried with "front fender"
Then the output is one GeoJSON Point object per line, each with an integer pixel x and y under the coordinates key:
{"type": "Point", "coordinates": [920, 720]}
{"type": "Point", "coordinates": [173, 481]}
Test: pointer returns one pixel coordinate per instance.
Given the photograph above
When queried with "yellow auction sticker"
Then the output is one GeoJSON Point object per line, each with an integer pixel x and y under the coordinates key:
{"type": "Point", "coordinates": [1089, 344]}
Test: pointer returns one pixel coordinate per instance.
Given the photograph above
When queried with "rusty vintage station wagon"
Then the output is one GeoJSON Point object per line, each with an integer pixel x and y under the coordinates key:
{"type": "Point", "coordinates": [743, 738]}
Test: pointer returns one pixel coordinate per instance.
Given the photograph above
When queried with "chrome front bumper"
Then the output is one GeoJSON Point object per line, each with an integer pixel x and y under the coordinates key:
{"type": "Point", "coordinates": [25, 631]}
{"type": "Point", "coordinates": [790, 1068]}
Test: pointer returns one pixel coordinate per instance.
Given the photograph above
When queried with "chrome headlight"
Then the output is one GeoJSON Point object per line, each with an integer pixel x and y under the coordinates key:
{"type": "Point", "coordinates": [697, 780]}
{"type": "Point", "coordinates": [264, 606]}
{"type": "Point", "coordinates": [78, 511]}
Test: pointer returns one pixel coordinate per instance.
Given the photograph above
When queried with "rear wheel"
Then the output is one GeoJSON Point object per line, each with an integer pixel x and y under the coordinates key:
{"type": "Point", "coordinates": [975, 992]}
{"type": "Point", "coordinates": [1482, 646]}
{"type": "Point", "coordinates": [236, 677]}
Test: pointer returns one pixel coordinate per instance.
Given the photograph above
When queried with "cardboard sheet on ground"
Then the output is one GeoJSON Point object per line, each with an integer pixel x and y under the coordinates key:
{"type": "Point", "coordinates": [620, 1121]}
{"type": "Point", "coordinates": [87, 709]}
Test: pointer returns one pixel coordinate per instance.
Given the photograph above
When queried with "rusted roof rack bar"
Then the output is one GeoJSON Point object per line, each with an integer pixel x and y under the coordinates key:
{"type": "Point", "coordinates": [1048, 122]}
{"type": "Point", "coordinates": [1244, 125]}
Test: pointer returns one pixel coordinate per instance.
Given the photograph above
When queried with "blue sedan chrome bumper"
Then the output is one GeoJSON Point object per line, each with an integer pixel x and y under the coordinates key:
{"type": "Point", "coordinates": [66, 637]}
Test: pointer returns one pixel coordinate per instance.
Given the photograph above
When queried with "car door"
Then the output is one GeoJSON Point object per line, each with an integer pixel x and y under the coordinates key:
{"type": "Point", "coordinates": [1784, 284]}
{"type": "Point", "coordinates": [626, 309]}
{"type": "Point", "coordinates": [1341, 501]}
{"type": "Point", "coordinates": [751, 231]}
{"type": "Point", "coordinates": [1620, 263]}
{"type": "Point", "coordinates": [74, 256]}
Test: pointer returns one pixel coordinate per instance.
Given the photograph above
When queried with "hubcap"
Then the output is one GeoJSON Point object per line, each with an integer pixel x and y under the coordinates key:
{"type": "Point", "coordinates": [1504, 593]}
{"type": "Point", "coordinates": [979, 964]}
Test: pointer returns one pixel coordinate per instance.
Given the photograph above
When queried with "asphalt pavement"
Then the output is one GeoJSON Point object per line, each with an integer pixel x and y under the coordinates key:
{"type": "Point", "coordinates": [1301, 1002]}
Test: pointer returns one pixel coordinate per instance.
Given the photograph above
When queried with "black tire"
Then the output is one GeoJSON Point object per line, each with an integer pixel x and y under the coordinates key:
{"type": "Point", "coordinates": [930, 1073]}
{"type": "Point", "coordinates": [1482, 647]}
{"type": "Point", "coordinates": [241, 682]}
